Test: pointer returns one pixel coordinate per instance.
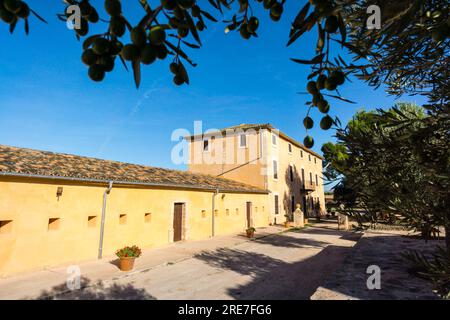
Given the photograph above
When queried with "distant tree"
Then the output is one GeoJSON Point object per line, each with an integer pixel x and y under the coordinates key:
{"type": "Point", "coordinates": [403, 44]}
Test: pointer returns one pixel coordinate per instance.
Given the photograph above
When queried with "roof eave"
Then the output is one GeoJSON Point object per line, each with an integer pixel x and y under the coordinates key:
{"type": "Point", "coordinates": [134, 183]}
{"type": "Point", "coordinates": [267, 126]}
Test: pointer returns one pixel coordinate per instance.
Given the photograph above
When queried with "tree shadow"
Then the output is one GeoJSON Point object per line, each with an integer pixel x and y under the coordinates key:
{"type": "Point", "coordinates": [396, 280]}
{"type": "Point", "coordinates": [295, 183]}
{"type": "Point", "coordinates": [96, 291]}
{"type": "Point", "coordinates": [272, 278]}
{"type": "Point", "coordinates": [286, 241]}
{"type": "Point", "coordinates": [240, 261]}
{"type": "Point", "coordinates": [324, 231]}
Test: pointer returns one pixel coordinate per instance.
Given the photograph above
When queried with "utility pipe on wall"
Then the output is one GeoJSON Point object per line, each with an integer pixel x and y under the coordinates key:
{"type": "Point", "coordinates": [102, 225]}
{"type": "Point", "coordinates": [213, 214]}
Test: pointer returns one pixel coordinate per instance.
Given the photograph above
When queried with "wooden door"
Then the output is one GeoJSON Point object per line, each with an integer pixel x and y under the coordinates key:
{"type": "Point", "coordinates": [249, 214]}
{"type": "Point", "coordinates": [178, 221]}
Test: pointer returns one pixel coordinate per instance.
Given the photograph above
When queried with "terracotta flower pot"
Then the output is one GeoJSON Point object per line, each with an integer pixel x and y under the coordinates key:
{"type": "Point", "coordinates": [286, 224]}
{"type": "Point", "coordinates": [126, 263]}
{"type": "Point", "coordinates": [250, 234]}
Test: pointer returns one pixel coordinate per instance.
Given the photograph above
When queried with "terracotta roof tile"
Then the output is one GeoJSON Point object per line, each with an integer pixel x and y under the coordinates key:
{"type": "Point", "coordinates": [23, 161]}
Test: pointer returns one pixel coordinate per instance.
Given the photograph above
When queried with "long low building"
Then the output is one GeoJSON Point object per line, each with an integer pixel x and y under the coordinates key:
{"type": "Point", "coordinates": [59, 208]}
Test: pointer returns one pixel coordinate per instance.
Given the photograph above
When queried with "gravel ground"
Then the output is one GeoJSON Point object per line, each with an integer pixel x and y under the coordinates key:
{"type": "Point", "coordinates": [384, 250]}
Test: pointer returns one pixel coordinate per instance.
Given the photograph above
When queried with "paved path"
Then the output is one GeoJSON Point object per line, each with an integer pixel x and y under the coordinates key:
{"type": "Point", "coordinates": [277, 265]}
{"type": "Point", "coordinates": [383, 249]}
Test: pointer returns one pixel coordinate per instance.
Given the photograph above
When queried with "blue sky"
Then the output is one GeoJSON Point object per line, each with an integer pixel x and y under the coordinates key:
{"type": "Point", "coordinates": [47, 101]}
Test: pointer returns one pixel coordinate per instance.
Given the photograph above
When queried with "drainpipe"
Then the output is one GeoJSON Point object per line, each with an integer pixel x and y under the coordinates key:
{"type": "Point", "coordinates": [213, 209]}
{"type": "Point", "coordinates": [102, 226]}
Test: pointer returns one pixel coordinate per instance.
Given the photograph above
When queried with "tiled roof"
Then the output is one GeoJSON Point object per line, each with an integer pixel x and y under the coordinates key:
{"type": "Point", "coordinates": [268, 126]}
{"type": "Point", "coordinates": [24, 162]}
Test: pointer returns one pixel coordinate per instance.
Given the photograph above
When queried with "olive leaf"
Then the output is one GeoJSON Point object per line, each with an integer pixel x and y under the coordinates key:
{"type": "Point", "coordinates": [316, 59]}
{"type": "Point", "coordinates": [136, 72]}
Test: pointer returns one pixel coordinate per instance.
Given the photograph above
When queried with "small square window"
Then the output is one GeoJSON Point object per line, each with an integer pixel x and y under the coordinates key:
{"type": "Point", "coordinates": [148, 217]}
{"type": "Point", "coordinates": [54, 224]}
{"type": "Point", "coordinates": [203, 213]}
{"type": "Point", "coordinates": [122, 219]}
{"type": "Point", "coordinates": [92, 221]}
{"type": "Point", "coordinates": [227, 212]}
{"type": "Point", "coordinates": [237, 211]}
{"type": "Point", "coordinates": [6, 226]}
{"type": "Point", "coordinates": [216, 213]}
{"type": "Point", "coordinates": [262, 208]}
{"type": "Point", "coordinates": [242, 140]}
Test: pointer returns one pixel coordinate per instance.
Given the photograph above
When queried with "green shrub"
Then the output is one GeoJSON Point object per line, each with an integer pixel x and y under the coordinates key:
{"type": "Point", "coordinates": [129, 252]}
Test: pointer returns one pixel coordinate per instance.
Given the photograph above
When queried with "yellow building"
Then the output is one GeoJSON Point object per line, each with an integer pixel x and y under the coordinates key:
{"type": "Point", "coordinates": [263, 156]}
{"type": "Point", "coordinates": [60, 208]}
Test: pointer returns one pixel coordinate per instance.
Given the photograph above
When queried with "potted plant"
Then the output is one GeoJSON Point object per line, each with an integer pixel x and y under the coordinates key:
{"type": "Point", "coordinates": [250, 232]}
{"type": "Point", "coordinates": [127, 255]}
{"type": "Point", "coordinates": [286, 223]}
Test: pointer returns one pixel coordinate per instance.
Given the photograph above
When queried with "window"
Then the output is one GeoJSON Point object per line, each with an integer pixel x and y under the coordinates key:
{"type": "Point", "coordinates": [291, 173]}
{"type": "Point", "coordinates": [92, 221]}
{"type": "Point", "coordinates": [242, 140]}
{"type": "Point", "coordinates": [203, 213]}
{"type": "Point", "coordinates": [315, 160]}
{"type": "Point", "coordinates": [293, 203]}
{"type": "Point", "coordinates": [53, 224]}
{"type": "Point", "coordinates": [148, 217]}
{"type": "Point", "coordinates": [310, 177]}
{"type": "Point", "coordinates": [205, 145]}
{"type": "Point", "coordinates": [290, 148]}
{"type": "Point", "coordinates": [309, 157]}
{"type": "Point", "coordinates": [122, 219]}
{"type": "Point", "coordinates": [317, 180]}
{"type": "Point", "coordinates": [237, 211]}
{"type": "Point", "coordinates": [276, 204]}
{"type": "Point", "coordinates": [216, 213]}
{"type": "Point", "coordinates": [227, 212]}
{"type": "Point", "coordinates": [301, 153]}
{"type": "Point", "coordinates": [275, 169]}
{"type": "Point", "coordinates": [274, 139]}
{"type": "Point", "coordinates": [303, 176]}
{"type": "Point", "coordinates": [5, 226]}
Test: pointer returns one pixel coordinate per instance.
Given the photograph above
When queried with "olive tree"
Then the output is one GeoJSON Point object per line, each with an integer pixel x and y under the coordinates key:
{"type": "Point", "coordinates": [383, 169]}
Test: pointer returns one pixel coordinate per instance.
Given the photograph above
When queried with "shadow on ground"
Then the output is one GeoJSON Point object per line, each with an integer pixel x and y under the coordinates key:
{"type": "Point", "coordinates": [273, 278]}
{"type": "Point", "coordinates": [96, 291]}
{"type": "Point", "coordinates": [286, 241]}
{"type": "Point", "coordinates": [384, 251]}
{"type": "Point", "coordinates": [344, 235]}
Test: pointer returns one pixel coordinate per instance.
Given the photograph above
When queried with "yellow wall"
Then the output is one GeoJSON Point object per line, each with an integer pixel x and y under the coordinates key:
{"type": "Point", "coordinates": [226, 155]}
{"type": "Point", "coordinates": [283, 185]}
{"type": "Point", "coordinates": [31, 203]}
{"type": "Point", "coordinates": [260, 173]}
